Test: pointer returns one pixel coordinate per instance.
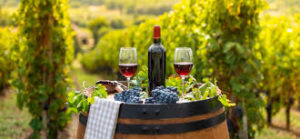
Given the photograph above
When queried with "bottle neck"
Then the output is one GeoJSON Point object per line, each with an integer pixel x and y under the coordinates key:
{"type": "Point", "coordinates": [157, 41]}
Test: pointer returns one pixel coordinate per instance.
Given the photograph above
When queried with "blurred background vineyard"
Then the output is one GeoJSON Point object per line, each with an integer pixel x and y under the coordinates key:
{"type": "Point", "coordinates": [252, 48]}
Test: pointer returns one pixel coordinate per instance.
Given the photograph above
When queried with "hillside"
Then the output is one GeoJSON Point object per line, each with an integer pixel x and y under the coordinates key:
{"type": "Point", "coordinates": [283, 7]}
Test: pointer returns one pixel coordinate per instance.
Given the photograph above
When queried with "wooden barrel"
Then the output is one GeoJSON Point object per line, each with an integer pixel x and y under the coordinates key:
{"type": "Point", "coordinates": [81, 125]}
{"type": "Point", "coordinates": [199, 119]}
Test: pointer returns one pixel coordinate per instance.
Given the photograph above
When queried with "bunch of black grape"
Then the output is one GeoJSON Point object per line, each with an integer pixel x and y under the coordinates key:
{"type": "Point", "coordinates": [167, 95]}
{"type": "Point", "coordinates": [129, 96]}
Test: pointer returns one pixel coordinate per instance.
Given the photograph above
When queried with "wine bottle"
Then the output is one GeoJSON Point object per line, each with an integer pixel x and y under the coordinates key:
{"type": "Point", "coordinates": [156, 61]}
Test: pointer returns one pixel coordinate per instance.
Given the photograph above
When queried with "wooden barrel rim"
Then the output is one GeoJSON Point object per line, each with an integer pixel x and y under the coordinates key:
{"type": "Point", "coordinates": [161, 111]}
{"type": "Point", "coordinates": [178, 110]}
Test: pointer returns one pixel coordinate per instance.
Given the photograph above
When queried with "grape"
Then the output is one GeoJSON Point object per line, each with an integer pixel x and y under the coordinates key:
{"type": "Point", "coordinates": [136, 89]}
{"type": "Point", "coordinates": [160, 94]}
{"type": "Point", "coordinates": [134, 99]}
{"type": "Point", "coordinates": [156, 92]}
{"type": "Point", "coordinates": [149, 100]}
{"type": "Point", "coordinates": [173, 89]}
{"type": "Point", "coordinates": [129, 96]}
{"type": "Point", "coordinates": [165, 95]}
{"type": "Point", "coordinates": [160, 87]}
{"type": "Point", "coordinates": [118, 97]}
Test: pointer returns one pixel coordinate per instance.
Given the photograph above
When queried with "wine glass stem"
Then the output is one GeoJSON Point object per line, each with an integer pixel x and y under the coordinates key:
{"type": "Point", "coordinates": [128, 81]}
{"type": "Point", "coordinates": [182, 86]}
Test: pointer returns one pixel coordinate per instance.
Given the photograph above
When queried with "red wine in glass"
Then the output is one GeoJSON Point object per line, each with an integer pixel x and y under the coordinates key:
{"type": "Point", "coordinates": [183, 68]}
{"type": "Point", "coordinates": [128, 69]}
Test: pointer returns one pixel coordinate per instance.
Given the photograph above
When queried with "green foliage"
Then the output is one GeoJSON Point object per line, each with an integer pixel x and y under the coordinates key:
{"type": "Point", "coordinates": [104, 56]}
{"type": "Point", "coordinates": [225, 101]}
{"type": "Point", "coordinates": [207, 90]}
{"type": "Point", "coordinates": [44, 52]}
{"type": "Point", "coordinates": [175, 82]}
{"type": "Point", "coordinates": [95, 26]}
{"type": "Point", "coordinates": [6, 60]}
{"type": "Point", "coordinates": [99, 91]}
{"type": "Point", "coordinates": [117, 24]}
{"type": "Point", "coordinates": [77, 102]}
{"type": "Point", "coordinates": [141, 79]}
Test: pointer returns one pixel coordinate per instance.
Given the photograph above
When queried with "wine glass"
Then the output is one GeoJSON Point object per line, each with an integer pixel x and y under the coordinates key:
{"type": "Point", "coordinates": [128, 62]}
{"type": "Point", "coordinates": [183, 63]}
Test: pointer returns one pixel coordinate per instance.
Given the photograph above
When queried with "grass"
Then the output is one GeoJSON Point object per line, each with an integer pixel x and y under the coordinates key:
{"type": "Point", "coordinates": [14, 122]}
{"type": "Point", "coordinates": [272, 133]}
{"type": "Point", "coordinates": [83, 79]}
{"type": "Point", "coordinates": [295, 118]}
{"type": "Point", "coordinates": [278, 131]}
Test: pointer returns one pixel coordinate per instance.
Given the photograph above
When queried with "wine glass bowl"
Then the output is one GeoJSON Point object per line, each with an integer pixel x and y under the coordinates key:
{"type": "Point", "coordinates": [183, 61]}
{"type": "Point", "coordinates": [183, 69]}
{"type": "Point", "coordinates": [128, 62]}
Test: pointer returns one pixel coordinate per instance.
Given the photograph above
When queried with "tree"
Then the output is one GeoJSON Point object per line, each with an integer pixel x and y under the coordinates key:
{"type": "Point", "coordinates": [45, 52]}
{"type": "Point", "coordinates": [95, 26]}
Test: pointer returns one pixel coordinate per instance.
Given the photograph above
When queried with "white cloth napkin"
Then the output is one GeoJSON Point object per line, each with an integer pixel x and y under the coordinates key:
{"type": "Point", "coordinates": [102, 119]}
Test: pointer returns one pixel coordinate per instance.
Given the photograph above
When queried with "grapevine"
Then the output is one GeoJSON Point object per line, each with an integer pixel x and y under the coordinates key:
{"type": "Point", "coordinates": [44, 51]}
{"type": "Point", "coordinates": [78, 102]}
